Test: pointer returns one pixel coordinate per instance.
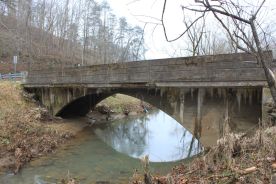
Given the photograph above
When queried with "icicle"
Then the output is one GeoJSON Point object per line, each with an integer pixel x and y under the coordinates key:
{"type": "Point", "coordinates": [98, 91]}
{"type": "Point", "coordinates": [181, 108]}
{"type": "Point", "coordinates": [209, 92]}
{"type": "Point", "coordinates": [245, 96]}
{"type": "Point", "coordinates": [200, 98]}
{"type": "Point", "coordinates": [250, 96]}
{"type": "Point", "coordinates": [224, 94]}
{"type": "Point", "coordinates": [219, 92]}
{"type": "Point", "coordinates": [258, 95]}
{"type": "Point", "coordinates": [52, 96]}
{"type": "Point", "coordinates": [68, 96]}
{"type": "Point", "coordinates": [226, 127]}
{"type": "Point", "coordinates": [84, 91]}
{"type": "Point", "coordinates": [192, 93]}
{"type": "Point", "coordinates": [174, 106]}
{"type": "Point", "coordinates": [181, 111]}
{"type": "Point", "coordinates": [239, 98]}
{"type": "Point", "coordinates": [212, 93]}
{"type": "Point", "coordinates": [162, 91]}
{"type": "Point", "coordinates": [42, 95]}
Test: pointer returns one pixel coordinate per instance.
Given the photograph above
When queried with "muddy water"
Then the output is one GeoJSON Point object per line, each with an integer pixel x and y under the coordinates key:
{"type": "Point", "coordinates": [111, 151]}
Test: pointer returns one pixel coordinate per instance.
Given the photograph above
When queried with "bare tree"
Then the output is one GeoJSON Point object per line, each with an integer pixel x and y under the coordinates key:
{"type": "Point", "coordinates": [244, 31]}
{"type": "Point", "coordinates": [52, 32]}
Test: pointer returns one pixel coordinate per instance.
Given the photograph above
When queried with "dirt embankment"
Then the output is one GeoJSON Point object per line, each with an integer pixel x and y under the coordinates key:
{"type": "Point", "coordinates": [26, 131]}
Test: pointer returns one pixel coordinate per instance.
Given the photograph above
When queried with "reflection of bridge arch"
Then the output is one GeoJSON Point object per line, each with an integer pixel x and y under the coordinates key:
{"type": "Point", "coordinates": [201, 111]}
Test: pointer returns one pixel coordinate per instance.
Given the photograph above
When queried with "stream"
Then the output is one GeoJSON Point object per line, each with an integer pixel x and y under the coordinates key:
{"type": "Point", "coordinates": [110, 152]}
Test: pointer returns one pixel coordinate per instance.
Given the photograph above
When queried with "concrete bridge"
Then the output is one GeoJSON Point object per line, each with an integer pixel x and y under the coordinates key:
{"type": "Point", "coordinates": [199, 92]}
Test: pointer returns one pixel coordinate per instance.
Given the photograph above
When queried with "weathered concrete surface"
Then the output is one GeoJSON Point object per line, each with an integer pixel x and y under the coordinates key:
{"type": "Point", "coordinates": [199, 92]}
{"type": "Point", "coordinates": [200, 110]}
{"type": "Point", "coordinates": [230, 70]}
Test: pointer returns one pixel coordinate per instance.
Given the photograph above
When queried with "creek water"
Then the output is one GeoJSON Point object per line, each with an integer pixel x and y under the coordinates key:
{"type": "Point", "coordinates": [110, 152]}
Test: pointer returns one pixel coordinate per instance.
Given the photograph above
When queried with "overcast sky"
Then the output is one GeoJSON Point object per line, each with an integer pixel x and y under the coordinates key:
{"type": "Point", "coordinates": [138, 12]}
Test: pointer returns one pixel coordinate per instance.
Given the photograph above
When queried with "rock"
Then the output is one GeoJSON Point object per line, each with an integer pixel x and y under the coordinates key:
{"type": "Point", "coordinates": [103, 109]}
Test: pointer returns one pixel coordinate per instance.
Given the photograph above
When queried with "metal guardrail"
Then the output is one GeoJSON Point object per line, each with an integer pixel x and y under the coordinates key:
{"type": "Point", "coordinates": [12, 76]}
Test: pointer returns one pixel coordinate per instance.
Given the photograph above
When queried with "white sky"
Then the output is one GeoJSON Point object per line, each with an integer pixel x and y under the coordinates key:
{"type": "Point", "coordinates": [138, 12]}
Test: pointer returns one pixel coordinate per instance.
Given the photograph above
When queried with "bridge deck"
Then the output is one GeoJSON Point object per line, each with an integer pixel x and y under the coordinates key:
{"type": "Point", "coordinates": [202, 71]}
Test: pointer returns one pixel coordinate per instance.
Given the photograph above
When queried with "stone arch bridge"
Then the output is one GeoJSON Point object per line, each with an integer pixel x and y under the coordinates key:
{"type": "Point", "coordinates": [199, 92]}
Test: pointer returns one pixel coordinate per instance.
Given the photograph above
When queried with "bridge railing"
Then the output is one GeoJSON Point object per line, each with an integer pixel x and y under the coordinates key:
{"type": "Point", "coordinates": [13, 76]}
{"type": "Point", "coordinates": [217, 68]}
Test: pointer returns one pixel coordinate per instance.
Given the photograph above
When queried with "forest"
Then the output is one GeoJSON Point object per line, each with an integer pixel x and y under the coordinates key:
{"type": "Point", "coordinates": [80, 32]}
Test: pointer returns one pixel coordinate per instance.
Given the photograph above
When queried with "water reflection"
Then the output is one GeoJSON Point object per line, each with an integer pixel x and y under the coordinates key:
{"type": "Point", "coordinates": [155, 134]}
{"type": "Point", "coordinates": [104, 153]}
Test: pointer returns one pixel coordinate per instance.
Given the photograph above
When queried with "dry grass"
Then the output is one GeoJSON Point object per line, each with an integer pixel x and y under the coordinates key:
{"type": "Point", "coordinates": [10, 98]}
{"type": "Point", "coordinates": [23, 133]}
{"type": "Point", "coordinates": [119, 103]}
{"type": "Point", "coordinates": [235, 159]}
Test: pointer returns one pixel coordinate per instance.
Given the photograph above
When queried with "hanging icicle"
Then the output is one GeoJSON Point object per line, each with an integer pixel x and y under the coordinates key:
{"type": "Point", "coordinates": [245, 96]}
{"type": "Point", "coordinates": [250, 94]}
{"type": "Point", "coordinates": [181, 108]}
{"type": "Point", "coordinates": [224, 94]}
{"type": "Point", "coordinates": [162, 91]}
{"type": "Point", "coordinates": [192, 93]}
{"type": "Point", "coordinates": [239, 98]}
{"type": "Point", "coordinates": [219, 92]}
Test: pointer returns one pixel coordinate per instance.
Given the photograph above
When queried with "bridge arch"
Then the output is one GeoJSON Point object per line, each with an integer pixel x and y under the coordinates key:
{"type": "Point", "coordinates": [200, 110]}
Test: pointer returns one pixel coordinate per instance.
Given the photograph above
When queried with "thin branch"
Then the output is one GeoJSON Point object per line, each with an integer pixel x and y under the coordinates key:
{"type": "Point", "coordinates": [210, 7]}
{"type": "Point", "coordinates": [164, 27]}
{"type": "Point", "coordinates": [255, 15]}
{"type": "Point", "coordinates": [229, 33]}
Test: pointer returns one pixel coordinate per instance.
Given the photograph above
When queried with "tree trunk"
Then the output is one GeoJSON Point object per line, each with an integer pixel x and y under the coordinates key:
{"type": "Point", "coordinates": [270, 78]}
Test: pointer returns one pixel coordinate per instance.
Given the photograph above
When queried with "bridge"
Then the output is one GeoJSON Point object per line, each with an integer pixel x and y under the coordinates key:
{"type": "Point", "coordinates": [199, 92]}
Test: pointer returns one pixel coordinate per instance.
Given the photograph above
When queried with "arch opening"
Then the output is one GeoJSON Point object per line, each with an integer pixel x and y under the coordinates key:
{"type": "Point", "coordinates": [202, 111]}
{"type": "Point", "coordinates": [134, 136]}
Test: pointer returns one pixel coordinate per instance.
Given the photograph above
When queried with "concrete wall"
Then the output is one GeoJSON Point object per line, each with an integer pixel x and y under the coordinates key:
{"type": "Point", "coordinates": [212, 71]}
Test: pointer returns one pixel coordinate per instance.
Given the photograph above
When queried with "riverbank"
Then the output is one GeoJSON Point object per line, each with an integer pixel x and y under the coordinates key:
{"type": "Point", "coordinates": [235, 159]}
{"type": "Point", "coordinates": [26, 130]}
